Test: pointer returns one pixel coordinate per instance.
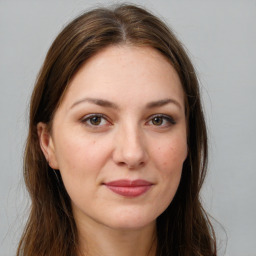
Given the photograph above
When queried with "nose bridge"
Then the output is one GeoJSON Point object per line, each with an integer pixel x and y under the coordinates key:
{"type": "Point", "coordinates": [130, 146]}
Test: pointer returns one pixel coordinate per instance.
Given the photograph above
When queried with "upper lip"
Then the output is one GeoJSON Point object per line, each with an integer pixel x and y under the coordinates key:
{"type": "Point", "coordinates": [128, 183]}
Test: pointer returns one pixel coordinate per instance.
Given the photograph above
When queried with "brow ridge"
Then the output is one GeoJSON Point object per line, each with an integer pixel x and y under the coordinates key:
{"type": "Point", "coordinates": [99, 102]}
{"type": "Point", "coordinates": [109, 104]}
{"type": "Point", "coordinates": [160, 103]}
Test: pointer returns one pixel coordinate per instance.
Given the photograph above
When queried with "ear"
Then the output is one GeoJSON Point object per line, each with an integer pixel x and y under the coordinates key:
{"type": "Point", "coordinates": [47, 145]}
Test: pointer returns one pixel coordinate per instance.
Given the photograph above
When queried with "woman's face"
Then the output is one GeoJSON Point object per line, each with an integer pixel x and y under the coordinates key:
{"type": "Point", "coordinates": [119, 137]}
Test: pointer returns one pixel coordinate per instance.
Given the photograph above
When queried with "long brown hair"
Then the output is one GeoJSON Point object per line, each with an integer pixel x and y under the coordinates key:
{"type": "Point", "coordinates": [183, 228]}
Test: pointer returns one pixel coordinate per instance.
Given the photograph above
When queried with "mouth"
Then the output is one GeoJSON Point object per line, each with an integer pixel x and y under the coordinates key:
{"type": "Point", "coordinates": [129, 188]}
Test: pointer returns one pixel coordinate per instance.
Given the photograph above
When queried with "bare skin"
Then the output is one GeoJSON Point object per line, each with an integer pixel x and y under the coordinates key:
{"type": "Point", "coordinates": [110, 242]}
{"type": "Point", "coordinates": [122, 118]}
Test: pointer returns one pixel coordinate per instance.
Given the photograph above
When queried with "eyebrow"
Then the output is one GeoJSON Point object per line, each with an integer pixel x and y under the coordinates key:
{"type": "Point", "coordinates": [163, 102]}
{"type": "Point", "coordinates": [99, 102]}
{"type": "Point", "coordinates": [108, 104]}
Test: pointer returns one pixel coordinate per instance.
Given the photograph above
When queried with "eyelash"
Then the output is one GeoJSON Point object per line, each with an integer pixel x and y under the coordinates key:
{"type": "Point", "coordinates": [170, 120]}
{"type": "Point", "coordinates": [88, 118]}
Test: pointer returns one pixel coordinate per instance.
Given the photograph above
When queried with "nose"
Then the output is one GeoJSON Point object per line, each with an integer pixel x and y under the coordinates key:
{"type": "Point", "coordinates": [130, 148]}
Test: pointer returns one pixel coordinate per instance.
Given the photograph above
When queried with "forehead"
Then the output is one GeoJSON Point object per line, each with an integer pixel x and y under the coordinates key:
{"type": "Point", "coordinates": [122, 71]}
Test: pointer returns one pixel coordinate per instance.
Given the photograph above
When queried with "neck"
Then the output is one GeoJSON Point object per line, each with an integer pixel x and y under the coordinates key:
{"type": "Point", "coordinates": [98, 240]}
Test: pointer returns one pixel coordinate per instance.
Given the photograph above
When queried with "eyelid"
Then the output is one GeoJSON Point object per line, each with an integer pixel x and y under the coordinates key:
{"type": "Point", "coordinates": [87, 117]}
{"type": "Point", "coordinates": [169, 118]}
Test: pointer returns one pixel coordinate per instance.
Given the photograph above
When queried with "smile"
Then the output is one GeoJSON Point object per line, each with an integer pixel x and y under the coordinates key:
{"type": "Point", "coordinates": [129, 188]}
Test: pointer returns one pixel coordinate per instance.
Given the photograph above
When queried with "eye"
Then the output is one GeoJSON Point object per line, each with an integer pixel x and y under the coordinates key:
{"type": "Point", "coordinates": [95, 120]}
{"type": "Point", "coordinates": [158, 120]}
{"type": "Point", "coordinates": [161, 120]}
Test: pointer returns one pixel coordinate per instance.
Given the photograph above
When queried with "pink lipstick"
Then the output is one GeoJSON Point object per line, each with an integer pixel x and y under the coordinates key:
{"type": "Point", "coordinates": [129, 188]}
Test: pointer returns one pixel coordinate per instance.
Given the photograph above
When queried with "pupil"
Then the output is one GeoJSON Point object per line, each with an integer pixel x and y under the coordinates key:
{"type": "Point", "coordinates": [157, 121]}
{"type": "Point", "coordinates": [95, 120]}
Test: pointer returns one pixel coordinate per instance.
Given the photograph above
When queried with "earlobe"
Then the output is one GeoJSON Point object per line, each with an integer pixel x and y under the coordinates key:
{"type": "Point", "coordinates": [46, 144]}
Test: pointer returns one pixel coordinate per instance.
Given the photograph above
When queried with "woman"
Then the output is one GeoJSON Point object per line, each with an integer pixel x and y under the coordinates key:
{"type": "Point", "coordinates": [117, 146]}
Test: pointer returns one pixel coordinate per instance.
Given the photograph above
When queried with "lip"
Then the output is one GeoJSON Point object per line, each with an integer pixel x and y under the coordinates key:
{"type": "Point", "coordinates": [129, 188]}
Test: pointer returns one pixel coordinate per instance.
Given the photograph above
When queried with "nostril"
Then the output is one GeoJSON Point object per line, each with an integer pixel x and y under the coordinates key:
{"type": "Point", "coordinates": [135, 166]}
{"type": "Point", "coordinates": [131, 166]}
{"type": "Point", "coordinates": [130, 154]}
{"type": "Point", "coordinates": [121, 163]}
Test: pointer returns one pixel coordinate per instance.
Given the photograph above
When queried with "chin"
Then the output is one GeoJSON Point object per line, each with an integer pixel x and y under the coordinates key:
{"type": "Point", "coordinates": [131, 226]}
{"type": "Point", "coordinates": [131, 221]}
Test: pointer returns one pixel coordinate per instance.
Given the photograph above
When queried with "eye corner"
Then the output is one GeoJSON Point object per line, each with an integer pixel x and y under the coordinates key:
{"type": "Point", "coordinates": [95, 121]}
{"type": "Point", "coordinates": [164, 120]}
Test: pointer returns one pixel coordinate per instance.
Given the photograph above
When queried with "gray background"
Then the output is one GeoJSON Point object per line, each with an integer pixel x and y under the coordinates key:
{"type": "Point", "coordinates": [220, 37]}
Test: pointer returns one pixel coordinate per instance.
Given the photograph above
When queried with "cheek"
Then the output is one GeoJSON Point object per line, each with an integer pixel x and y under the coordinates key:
{"type": "Point", "coordinates": [168, 158]}
{"type": "Point", "coordinates": [79, 155]}
{"type": "Point", "coordinates": [80, 162]}
{"type": "Point", "coordinates": [171, 154]}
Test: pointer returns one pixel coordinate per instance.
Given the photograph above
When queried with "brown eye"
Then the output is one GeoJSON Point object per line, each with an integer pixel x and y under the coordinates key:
{"type": "Point", "coordinates": [157, 121]}
{"type": "Point", "coordinates": [163, 121]}
{"type": "Point", "coordinates": [96, 120]}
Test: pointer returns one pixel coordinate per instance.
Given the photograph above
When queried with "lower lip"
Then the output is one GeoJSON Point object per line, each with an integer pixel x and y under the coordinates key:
{"type": "Point", "coordinates": [129, 191]}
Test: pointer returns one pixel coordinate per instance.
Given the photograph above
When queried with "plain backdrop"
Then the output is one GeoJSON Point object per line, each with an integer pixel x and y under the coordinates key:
{"type": "Point", "coordinates": [220, 37]}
